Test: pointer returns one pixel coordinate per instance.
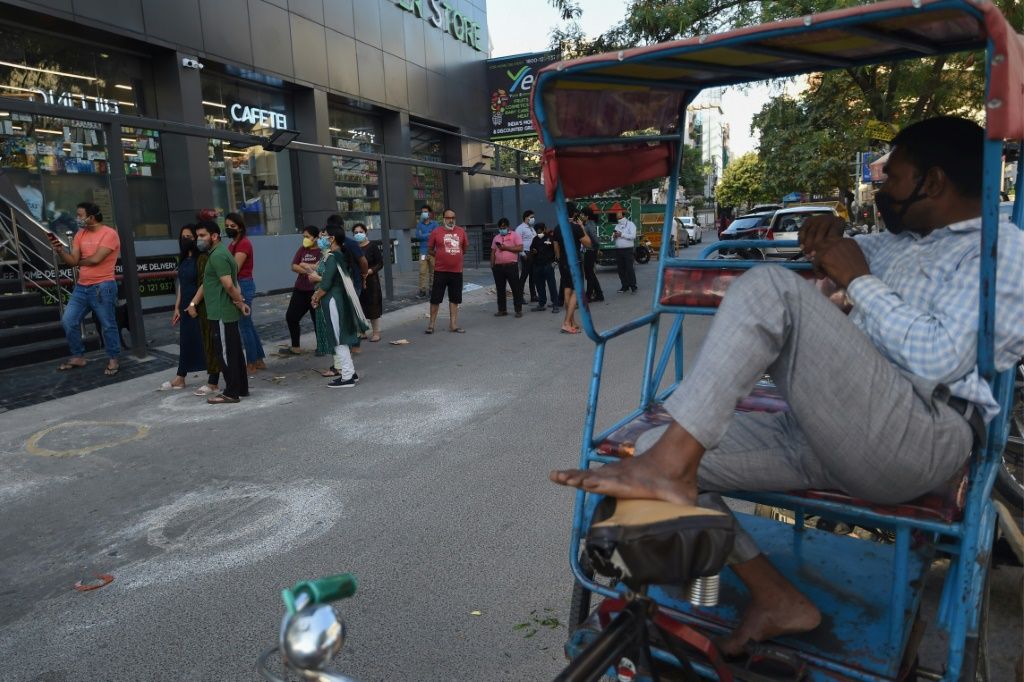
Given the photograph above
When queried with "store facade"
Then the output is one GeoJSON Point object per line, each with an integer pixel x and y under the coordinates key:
{"type": "Point", "coordinates": [370, 76]}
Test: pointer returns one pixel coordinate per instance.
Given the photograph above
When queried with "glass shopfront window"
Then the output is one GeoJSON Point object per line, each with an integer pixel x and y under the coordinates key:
{"type": "Point", "coordinates": [428, 184]}
{"type": "Point", "coordinates": [56, 163]}
{"type": "Point", "coordinates": [249, 180]}
{"type": "Point", "coordinates": [356, 181]}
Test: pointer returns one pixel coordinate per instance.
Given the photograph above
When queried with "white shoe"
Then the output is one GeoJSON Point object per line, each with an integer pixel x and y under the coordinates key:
{"type": "Point", "coordinates": [168, 386]}
{"type": "Point", "coordinates": [204, 390]}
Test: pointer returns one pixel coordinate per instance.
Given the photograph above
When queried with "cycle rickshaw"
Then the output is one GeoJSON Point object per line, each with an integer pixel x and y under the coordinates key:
{"type": "Point", "coordinates": [619, 118]}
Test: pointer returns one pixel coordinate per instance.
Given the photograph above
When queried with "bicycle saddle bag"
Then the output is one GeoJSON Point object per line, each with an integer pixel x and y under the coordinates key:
{"type": "Point", "coordinates": [648, 542]}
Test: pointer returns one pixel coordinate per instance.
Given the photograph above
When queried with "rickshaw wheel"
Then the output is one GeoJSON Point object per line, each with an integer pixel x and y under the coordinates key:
{"type": "Point", "coordinates": [583, 601]}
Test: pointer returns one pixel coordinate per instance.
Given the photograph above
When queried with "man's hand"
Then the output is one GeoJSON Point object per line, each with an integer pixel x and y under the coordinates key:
{"type": "Point", "coordinates": [819, 231]}
{"type": "Point", "coordinates": [842, 260]}
{"type": "Point", "coordinates": [192, 312]}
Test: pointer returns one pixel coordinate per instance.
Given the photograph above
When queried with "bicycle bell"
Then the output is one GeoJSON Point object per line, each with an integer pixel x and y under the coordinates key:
{"type": "Point", "coordinates": [311, 636]}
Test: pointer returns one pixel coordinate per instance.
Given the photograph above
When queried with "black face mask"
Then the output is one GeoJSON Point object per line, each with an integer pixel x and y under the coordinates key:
{"type": "Point", "coordinates": [187, 244]}
{"type": "Point", "coordinates": [893, 211]}
{"type": "Point", "coordinates": [232, 232]}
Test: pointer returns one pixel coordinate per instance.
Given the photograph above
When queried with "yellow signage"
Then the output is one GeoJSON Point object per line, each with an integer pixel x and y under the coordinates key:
{"type": "Point", "coordinates": [876, 130]}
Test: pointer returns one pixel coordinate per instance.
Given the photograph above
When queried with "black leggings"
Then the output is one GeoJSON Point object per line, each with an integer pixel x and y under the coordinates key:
{"type": "Point", "coordinates": [298, 306]}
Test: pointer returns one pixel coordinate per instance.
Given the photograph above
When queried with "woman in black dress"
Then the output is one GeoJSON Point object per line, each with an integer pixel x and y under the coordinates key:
{"type": "Point", "coordinates": [190, 340]}
{"type": "Point", "coordinates": [370, 298]}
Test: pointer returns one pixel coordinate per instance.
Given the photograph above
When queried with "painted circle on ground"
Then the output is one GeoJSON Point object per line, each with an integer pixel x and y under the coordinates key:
{"type": "Point", "coordinates": [76, 438]}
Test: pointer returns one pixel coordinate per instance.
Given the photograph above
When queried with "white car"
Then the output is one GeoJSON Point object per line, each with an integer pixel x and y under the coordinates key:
{"type": "Point", "coordinates": [786, 225]}
{"type": "Point", "coordinates": [694, 232]}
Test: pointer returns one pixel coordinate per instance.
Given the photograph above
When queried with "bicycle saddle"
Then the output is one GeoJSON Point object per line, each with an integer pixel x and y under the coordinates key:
{"type": "Point", "coordinates": [648, 542]}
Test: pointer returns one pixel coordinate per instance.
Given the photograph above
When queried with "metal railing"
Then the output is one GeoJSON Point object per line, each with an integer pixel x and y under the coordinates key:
{"type": "Point", "coordinates": [24, 245]}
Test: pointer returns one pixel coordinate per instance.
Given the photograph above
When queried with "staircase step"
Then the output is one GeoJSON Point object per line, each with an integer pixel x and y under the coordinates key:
{"type": "Point", "coordinates": [30, 315]}
{"type": "Point", "coordinates": [27, 333]}
{"type": "Point", "coordinates": [19, 300]}
{"type": "Point", "coordinates": [10, 286]}
{"type": "Point", "coordinates": [41, 351]}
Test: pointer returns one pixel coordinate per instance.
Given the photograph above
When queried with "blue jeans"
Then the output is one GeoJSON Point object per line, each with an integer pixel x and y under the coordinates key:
{"type": "Point", "coordinates": [545, 275]}
{"type": "Point", "coordinates": [100, 299]}
{"type": "Point", "coordinates": [250, 339]}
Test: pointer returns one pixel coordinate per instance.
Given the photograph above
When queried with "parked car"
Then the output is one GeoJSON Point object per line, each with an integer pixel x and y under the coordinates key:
{"type": "Point", "coordinates": [692, 228]}
{"type": "Point", "coordinates": [786, 224]}
{"type": "Point", "coordinates": [750, 226]}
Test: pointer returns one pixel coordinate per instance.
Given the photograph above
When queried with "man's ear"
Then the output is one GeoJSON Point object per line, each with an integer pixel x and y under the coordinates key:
{"type": "Point", "coordinates": [936, 182]}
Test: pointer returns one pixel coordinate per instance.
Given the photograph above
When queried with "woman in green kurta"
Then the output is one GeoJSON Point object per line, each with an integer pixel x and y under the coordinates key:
{"type": "Point", "coordinates": [339, 319]}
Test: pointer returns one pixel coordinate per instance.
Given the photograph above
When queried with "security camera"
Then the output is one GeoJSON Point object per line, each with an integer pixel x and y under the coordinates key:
{"type": "Point", "coordinates": [191, 63]}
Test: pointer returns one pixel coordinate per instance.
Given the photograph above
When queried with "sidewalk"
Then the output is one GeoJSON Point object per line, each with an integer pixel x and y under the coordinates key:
{"type": "Point", "coordinates": [34, 384]}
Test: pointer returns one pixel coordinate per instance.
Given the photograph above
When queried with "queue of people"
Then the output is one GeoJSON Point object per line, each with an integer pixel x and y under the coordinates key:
{"type": "Point", "coordinates": [337, 285]}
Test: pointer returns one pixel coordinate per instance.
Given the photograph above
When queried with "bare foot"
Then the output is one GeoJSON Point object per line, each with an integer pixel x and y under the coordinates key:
{"type": "Point", "coordinates": [777, 607]}
{"type": "Point", "coordinates": [668, 471]}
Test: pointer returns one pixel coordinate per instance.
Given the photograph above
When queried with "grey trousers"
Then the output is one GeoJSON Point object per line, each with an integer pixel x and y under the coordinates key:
{"type": "Point", "coordinates": [857, 423]}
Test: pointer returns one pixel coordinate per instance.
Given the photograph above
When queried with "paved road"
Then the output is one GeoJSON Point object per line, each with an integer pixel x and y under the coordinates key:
{"type": "Point", "coordinates": [427, 481]}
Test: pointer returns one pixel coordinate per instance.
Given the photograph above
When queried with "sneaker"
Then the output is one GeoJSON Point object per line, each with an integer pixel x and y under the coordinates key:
{"type": "Point", "coordinates": [554, 308]}
{"type": "Point", "coordinates": [542, 306]}
{"type": "Point", "coordinates": [622, 290]}
{"type": "Point", "coordinates": [519, 313]}
{"type": "Point", "coordinates": [355, 377]}
{"type": "Point", "coordinates": [632, 290]}
{"type": "Point", "coordinates": [339, 383]}
{"type": "Point", "coordinates": [501, 313]}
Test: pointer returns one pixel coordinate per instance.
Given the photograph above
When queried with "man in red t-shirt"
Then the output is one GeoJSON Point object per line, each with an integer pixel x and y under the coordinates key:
{"type": "Point", "coordinates": [94, 251]}
{"type": "Point", "coordinates": [447, 246]}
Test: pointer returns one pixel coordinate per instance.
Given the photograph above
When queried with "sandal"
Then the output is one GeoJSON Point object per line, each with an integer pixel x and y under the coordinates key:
{"type": "Point", "coordinates": [68, 366]}
{"type": "Point", "coordinates": [331, 372]}
{"type": "Point", "coordinates": [374, 339]}
{"type": "Point", "coordinates": [168, 386]}
{"type": "Point", "coordinates": [566, 331]}
{"type": "Point", "coordinates": [222, 400]}
{"type": "Point", "coordinates": [428, 330]}
{"type": "Point", "coordinates": [111, 371]}
{"type": "Point", "coordinates": [204, 390]}
{"type": "Point", "coordinates": [457, 330]}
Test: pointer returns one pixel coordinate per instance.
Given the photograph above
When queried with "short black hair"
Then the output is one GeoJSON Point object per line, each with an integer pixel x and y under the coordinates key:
{"type": "Point", "coordinates": [503, 222]}
{"type": "Point", "coordinates": [91, 209]}
{"type": "Point", "coordinates": [427, 206]}
{"type": "Point", "coordinates": [209, 225]}
{"type": "Point", "coordinates": [956, 145]}
{"type": "Point", "coordinates": [312, 230]}
{"type": "Point", "coordinates": [334, 219]}
{"type": "Point", "coordinates": [362, 225]}
{"type": "Point", "coordinates": [336, 231]}
{"type": "Point", "coordinates": [527, 214]}
{"type": "Point", "coordinates": [540, 227]}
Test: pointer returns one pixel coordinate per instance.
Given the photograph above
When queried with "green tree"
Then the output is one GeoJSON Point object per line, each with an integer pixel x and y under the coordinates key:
{"type": "Point", "coordinates": [693, 172]}
{"type": "Point", "coordinates": [743, 182]}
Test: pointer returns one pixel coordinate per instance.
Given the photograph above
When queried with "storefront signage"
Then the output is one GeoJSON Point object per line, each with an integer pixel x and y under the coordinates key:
{"type": "Point", "coordinates": [68, 99]}
{"type": "Point", "coordinates": [444, 16]}
{"type": "Point", "coordinates": [253, 116]}
{"type": "Point", "coordinates": [509, 82]}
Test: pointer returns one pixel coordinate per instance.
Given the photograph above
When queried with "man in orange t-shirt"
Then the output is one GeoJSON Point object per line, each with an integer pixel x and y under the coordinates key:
{"type": "Point", "coordinates": [94, 250]}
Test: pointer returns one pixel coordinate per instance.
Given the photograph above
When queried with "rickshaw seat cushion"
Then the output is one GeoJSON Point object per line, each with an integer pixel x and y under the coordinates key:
{"type": "Point", "coordinates": [651, 542]}
{"type": "Point", "coordinates": [945, 504]}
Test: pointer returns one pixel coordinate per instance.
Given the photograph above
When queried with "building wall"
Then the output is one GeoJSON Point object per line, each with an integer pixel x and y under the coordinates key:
{"type": "Point", "coordinates": [402, 61]}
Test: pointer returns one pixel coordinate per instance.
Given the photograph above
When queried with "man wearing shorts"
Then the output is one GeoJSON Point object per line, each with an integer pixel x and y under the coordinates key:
{"type": "Point", "coordinates": [447, 246]}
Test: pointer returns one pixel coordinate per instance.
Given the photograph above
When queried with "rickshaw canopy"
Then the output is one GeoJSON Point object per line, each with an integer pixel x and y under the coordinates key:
{"type": "Point", "coordinates": [614, 118]}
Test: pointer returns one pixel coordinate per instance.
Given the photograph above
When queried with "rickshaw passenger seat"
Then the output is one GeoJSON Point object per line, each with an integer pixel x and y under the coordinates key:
{"type": "Point", "coordinates": [944, 504]}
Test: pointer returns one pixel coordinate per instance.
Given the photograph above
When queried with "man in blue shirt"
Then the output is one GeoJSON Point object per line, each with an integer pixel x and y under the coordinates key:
{"type": "Point", "coordinates": [883, 404]}
{"type": "Point", "coordinates": [424, 227]}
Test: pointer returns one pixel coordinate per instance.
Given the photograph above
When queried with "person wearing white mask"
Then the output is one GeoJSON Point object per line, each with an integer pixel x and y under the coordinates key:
{"type": "Point", "coordinates": [625, 237]}
{"type": "Point", "coordinates": [526, 233]}
{"type": "Point", "coordinates": [424, 227]}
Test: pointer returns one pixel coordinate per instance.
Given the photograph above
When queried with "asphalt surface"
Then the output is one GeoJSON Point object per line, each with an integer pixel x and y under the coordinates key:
{"type": "Point", "coordinates": [427, 480]}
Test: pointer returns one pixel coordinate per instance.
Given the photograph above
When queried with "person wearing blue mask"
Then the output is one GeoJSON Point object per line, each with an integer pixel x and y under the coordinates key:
{"type": "Point", "coordinates": [424, 227]}
{"type": "Point", "coordinates": [505, 249]}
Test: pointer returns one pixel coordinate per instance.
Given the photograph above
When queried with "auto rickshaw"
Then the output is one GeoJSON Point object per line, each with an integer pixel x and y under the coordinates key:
{"type": "Point", "coordinates": [624, 113]}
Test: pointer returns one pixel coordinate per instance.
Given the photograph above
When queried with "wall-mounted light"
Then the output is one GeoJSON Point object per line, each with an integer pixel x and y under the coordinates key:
{"type": "Point", "coordinates": [50, 71]}
{"type": "Point", "coordinates": [51, 132]}
{"type": "Point", "coordinates": [279, 140]}
{"type": "Point", "coordinates": [123, 87]}
{"type": "Point", "coordinates": [215, 104]}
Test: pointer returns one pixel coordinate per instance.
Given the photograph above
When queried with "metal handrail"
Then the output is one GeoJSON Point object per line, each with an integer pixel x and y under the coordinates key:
{"type": "Point", "coordinates": [14, 220]}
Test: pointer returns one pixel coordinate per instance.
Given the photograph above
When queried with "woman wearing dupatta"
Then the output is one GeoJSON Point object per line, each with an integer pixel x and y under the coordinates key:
{"type": "Point", "coordinates": [340, 319]}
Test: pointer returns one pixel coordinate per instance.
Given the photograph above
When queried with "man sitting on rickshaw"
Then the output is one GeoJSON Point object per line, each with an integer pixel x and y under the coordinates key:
{"type": "Point", "coordinates": [884, 403]}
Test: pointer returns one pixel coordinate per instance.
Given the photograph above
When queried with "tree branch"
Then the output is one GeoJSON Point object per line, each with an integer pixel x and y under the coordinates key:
{"type": "Point", "coordinates": [925, 101]}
